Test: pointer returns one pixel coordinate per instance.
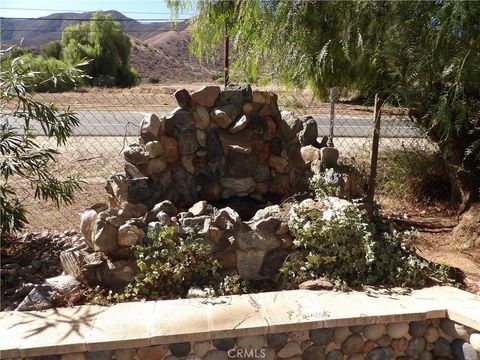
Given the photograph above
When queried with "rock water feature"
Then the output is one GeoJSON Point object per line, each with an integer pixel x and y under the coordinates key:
{"type": "Point", "coordinates": [220, 163]}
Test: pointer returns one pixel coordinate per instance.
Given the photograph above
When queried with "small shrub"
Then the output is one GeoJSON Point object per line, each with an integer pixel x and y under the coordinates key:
{"type": "Point", "coordinates": [52, 50]}
{"type": "Point", "coordinates": [153, 80]}
{"type": "Point", "coordinates": [169, 265]}
{"type": "Point", "coordinates": [341, 243]}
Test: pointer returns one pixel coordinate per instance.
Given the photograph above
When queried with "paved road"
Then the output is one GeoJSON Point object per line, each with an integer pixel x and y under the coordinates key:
{"type": "Point", "coordinates": [126, 123]}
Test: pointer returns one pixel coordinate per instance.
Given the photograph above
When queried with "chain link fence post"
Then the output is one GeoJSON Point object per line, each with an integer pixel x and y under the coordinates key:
{"type": "Point", "coordinates": [333, 100]}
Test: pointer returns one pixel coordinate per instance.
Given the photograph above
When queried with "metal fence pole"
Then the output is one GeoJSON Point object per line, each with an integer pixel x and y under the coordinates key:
{"type": "Point", "coordinates": [374, 154]}
{"type": "Point", "coordinates": [333, 100]}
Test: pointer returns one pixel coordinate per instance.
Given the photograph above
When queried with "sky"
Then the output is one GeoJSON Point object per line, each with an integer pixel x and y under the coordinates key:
{"type": "Point", "coordinates": [146, 10]}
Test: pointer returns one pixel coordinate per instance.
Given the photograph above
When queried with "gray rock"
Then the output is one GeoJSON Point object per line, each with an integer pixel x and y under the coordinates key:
{"type": "Point", "coordinates": [47, 357]}
{"type": "Point", "coordinates": [425, 355]}
{"type": "Point", "coordinates": [340, 334]}
{"type": "Point", "coordinates": [356, 329]}
{"type": "Point", "coordinates": [135, 154]}
{"type": "Point", "coordinates": [63, 283]}
{"type": "Point", "coordinates": [216, 355]}
{"type": "Point", "coordinates": [221, 118]}
{"type": "Point", "coordinates": [214, 147]}
{"type": "Point", "coordinates": [187, 143]}
{"type": "Point", "coordinates": [234, 94]}
{"type": "Point", "coordinates": [314, 352]}
{"type": "Point", "coordinates": [182, 121]}
{"type": "Point", "coordinates": [374, 331]}
{"type": "Point", "coordinates": [353, 344]}
{"type": "Point", "coordinates": [200, 224]}
{"type": "Point", "coordinates": [334, 355]}
{"type": "Point", "coordinates": [250, 342]}
{"type": "Point", "coordinates": [100, 355]}
{"type": "Point", "coordinates": [384, 341]}
{"type": "Point", "coordinates": [397, 330]}
{"type": "Point", "coordinates": [129, 235]}
{"type": "Point", "coordinates": [249, 239]}
{"type": "Point", "coordinates": [462, 350]}
{"type": "Point", "coordinates": [329, 157]}
{"type": "Point", "coordinates": [415, 346]}
{"type": "Point", "coordinates": [475, 341]}
{"type": "Point", "coordinates": [150, 127]}
{"type": "Point", "coordinates": [199, 208]}
{"type": "Point", "coordinates": [441, 347]}
{"type": "Point", "coordinates": [39, 298]}
{"type": "Point", "coordinates": [140, 191]}
{"type": "Point", "coordinates": [118, 274]}
{"type": "Point", "coordinates": [166, 206]}
{"type": "Point", "coordinates": [381, 354]}
{"type": "Point", "coordinates": [455, 330]}
{"type": "Point", "coordinates": [249, 263]}
{"type": "Point", "coordinates": [180, 349]}
{"type": "Point", "coordinates": [117, 188]}
{"type": "Point", "coordinates": [239, 185]}
{"type": "Point", "coordinates": [291, 349]}
{"type": "Point", "coordinates": [273, 261]}
{"type": "Point", "coordinates": [309, 133]}
{"type": "Point", "coordinates": [321, 336]}
{"type": "Point", "coordinates": [185, 188]}
{"type": "Point", "coordinates": [262, 173]}
{"type": "Point", "coordinates": [105, 236]}
{"type": "Point", "coordinates": [224, 344]}
{"type": "Point", "coordinates": [417, 328]}
{"type": "Point", "coordinates": [277, 341]}
{"type": "Point", "coordinates": [227, 219]}
{"type": "Point", "coordinates": [125, 354]}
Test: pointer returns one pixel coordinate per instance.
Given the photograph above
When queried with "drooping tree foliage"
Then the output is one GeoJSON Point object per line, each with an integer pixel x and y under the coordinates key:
{"type": "Point", "coordinates": [102, 40]}
{"type": "Point", "coordinates": [421, 55]}
{"type": "Point", "coordinates": [24, 161]}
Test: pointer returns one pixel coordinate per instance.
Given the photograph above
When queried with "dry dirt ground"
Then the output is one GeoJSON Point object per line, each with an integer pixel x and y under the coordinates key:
{"type": "Point", "coordinates": [436, 241]}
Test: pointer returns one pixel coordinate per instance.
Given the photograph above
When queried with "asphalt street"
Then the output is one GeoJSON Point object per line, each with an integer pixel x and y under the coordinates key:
{"type": "Point", "coordinates": [94, 123]}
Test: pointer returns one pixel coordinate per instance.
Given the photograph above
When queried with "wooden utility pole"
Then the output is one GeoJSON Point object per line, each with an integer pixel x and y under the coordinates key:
{"type": "Point", "coordinates": [374, 155]}
{"type": "Point", "coordinates": [226, 55]}
{"type": "Point", "coordinates": [333, 100]}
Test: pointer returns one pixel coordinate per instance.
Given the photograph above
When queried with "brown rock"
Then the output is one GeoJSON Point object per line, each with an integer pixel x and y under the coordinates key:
{"type": "Point", "coordinates": [183, 99]}
{"type": "Point", "coordinates": [87, 218]}
{"type": "Point", "coordinates": [156, 165]}
{"type": "Point", "coordinates": [271, 129]}
{"type": "Point", "coordinates": [368, 346]}
{"type": "Point", "coordinates": [187, 163]}
{"type": "Point", "coordinates": [206, 95]}
{"type": "Point", "coordinates": [239, 142]}
{"type": "Point", "coordinates": [152, 352]}
{"type": "Point", "coordinates": [215, 234]}
{"type": "Point", "coordinates": [264, 155]}
{"type": "Point", "coordinates": [261, 97]}
{"type": "Point", "coordinates": [201, 137]}
{"type": "Point", "coordinates": [399, 345]}
{"type": "Point", "coordinates": [199, 208]}
{"type": "Point", "coordinates": [170, 149]}
{"type": "Point", "coordinates": [265, 111]}
{"type": "Point", "coordinates": [286, 242]}
{"type": "Point", "coordinates": [221, 118]}
{"type": "Point", "coordinates": [200, 161]}
{"type": "Point", "coordinates": [129, 235]}
{"type": "Point", "coordinates": [278, 163]}
{"type": "Point", "coordinates": [104, 236]}
{"type": "Point", "coordinates": [212, 191]}
{"type": "Point", "coordinates": [228, 259]}
{"type": "Point", "coordinates": [247, 108]}
{"type": "Point", "coordinates": [201, 117]}
{"type": "Point", "coordinates": [282, 229]}
{"type": "Point", "coordinates": [263, 187]}
{"type": "Point", "coordinates": [281, 185]}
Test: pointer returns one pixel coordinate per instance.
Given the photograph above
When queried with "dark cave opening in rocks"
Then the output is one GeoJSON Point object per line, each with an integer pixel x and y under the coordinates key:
{"type": "Point", "coordinates": [245, 206]}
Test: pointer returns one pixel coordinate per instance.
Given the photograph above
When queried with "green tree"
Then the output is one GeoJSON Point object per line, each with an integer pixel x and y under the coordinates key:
{"type": "Point", "coordinates": [24, 162]}
{"type": "Point", "coordinates": [420, 55]}
{"type": "Point", "coordinates": [101, 40]}
{"type": "Point", "coordinates": [52, 50]}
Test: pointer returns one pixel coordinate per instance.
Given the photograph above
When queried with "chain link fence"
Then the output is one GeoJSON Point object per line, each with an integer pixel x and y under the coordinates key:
{"type": "Point", "coordinates": [110, 119]}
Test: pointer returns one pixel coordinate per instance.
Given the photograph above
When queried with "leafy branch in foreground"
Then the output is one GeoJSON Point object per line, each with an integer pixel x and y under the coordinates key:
{"type": "Point", "coordinates": [23, 161]}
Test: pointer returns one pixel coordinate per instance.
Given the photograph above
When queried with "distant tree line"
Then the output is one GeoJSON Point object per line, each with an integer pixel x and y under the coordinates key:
{"type": "Point", "coordinates": [100, 42]}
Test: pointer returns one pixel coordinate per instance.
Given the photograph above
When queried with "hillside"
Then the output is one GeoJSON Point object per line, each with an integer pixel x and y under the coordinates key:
{"type": "Point", "coordinates": [165, 57]}
{"type": "Point", "coordinates": [159, 50]}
